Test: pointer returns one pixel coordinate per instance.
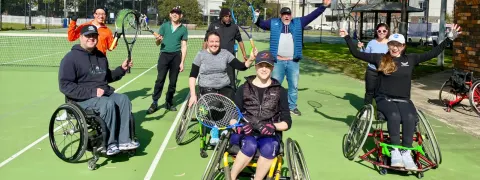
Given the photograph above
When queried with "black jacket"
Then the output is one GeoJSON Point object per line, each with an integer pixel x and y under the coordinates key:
{"type": "Point", "coordinates": [81, 73]}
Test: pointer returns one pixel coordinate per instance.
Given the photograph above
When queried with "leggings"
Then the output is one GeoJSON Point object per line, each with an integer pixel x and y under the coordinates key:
{"type": "Point", "coordinates": [268, 146]}
{"type": "Point", "coordinates": [398, 113]}
{"type": "Point", "coordinates": [226, 91]}
{"type": "Point", "coordinates": [371, 78]}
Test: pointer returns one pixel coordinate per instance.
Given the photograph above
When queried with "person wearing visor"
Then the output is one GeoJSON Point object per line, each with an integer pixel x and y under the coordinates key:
{"type": "Point", "coordinates": [84, 77]}
{"type": "Point", "coordinates": [286, 46]}
{"type": "Point", "coordinates": [393, 96]}
{"type": "Point", "coordinates": [264, 103]}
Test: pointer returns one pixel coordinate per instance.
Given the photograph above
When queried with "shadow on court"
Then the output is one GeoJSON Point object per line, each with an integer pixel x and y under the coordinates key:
{"type": "Point", "coordinates": [354, 99]}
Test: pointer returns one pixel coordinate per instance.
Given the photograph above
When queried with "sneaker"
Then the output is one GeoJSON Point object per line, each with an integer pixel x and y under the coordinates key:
{"type": "Point", "coordinates": [408, 161]}
{"type": "Point", "coordinates": [396, 158]}
{"type": "Point", "coordinates": [129, 146]}
{"type": "Point", "coordinates": [152, 109]}
{"type": "Point", "coordinates": [112, 150]}
{"type": "Point", "coordinates": [170, 107]}
{"type": "Point", "coordinates": [296, 112]}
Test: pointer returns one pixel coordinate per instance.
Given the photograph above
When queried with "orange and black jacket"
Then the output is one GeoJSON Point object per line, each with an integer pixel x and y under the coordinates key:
{"type": "Point", "coordinates": [105, 37]}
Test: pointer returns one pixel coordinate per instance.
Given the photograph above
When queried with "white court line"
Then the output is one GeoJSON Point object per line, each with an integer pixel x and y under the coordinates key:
{"type": "Point", "coordinates": [30, 58]}
{"type": "Point", "coordinates": [154, 164]}
{"type": "Point", "coordinates": [46, 135]}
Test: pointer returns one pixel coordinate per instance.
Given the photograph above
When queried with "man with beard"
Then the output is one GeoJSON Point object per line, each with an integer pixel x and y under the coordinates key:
{"type": "Point", "coordinates": [229, 32]}
{"type": "Point", "coordinates": [105, 36]}
{"type": "Point", "coordinates": [172, 37]}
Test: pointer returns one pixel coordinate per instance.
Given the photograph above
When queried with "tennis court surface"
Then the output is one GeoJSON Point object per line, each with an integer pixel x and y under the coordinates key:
{"type": "Point", "coordinates": [29, 72]}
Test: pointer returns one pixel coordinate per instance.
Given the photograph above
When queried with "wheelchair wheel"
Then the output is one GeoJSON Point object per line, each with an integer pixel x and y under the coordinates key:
{"type": "Point", "coordinates": [184, 121]}
{"type": "Point", "coordinates": [74, 126]}
{"type": "Point", "coordinates": [296, 162]}
{"type": "Point", "coordinates": [448, 93]}
{"type": "Point", "coordinates": [358, 133]}
{"type": "Point", "coordinates": [214, 167]}
{"type": "Point", "coordinates": [474, 97]}
{"type": "Point", "coordinates": [429, 140]}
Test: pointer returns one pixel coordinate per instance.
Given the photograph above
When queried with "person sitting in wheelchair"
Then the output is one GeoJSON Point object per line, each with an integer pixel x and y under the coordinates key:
{"type": "Point", "coordinates": [211, 65]}
{"type": "Point", "coordinates": [84, 76]}
{"type": "Point", "coordinates": [264, 103]}
{"type": "Point", "coordinates": [393, 93]}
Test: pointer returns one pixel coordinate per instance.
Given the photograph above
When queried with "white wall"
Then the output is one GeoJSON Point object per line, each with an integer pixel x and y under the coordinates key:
{"type": "Point", "coordinates": [434, 8]}
{"type": "Point", "coordinates": [210, 5]}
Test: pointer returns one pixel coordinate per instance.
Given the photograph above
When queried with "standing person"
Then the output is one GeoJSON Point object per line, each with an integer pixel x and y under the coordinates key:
{"type": "Point", "coordinates": [84, 77]}
{"type": "Point", "coordinates": [229, 32]}
{"type": "Point", "coordinates": [393, 95]}
{"type": "Point", "coordinates": [286, 47]}
{"type": "Point", "coordinates": [377, 45]}
{"type": "Point", "coordinates": [105, 36]}
{"type": "Point", "coordinates": [173, 36]}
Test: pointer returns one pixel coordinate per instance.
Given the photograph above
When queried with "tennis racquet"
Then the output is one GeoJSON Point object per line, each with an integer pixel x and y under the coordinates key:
{"type": "Point", "coordinates": [216, 111]}
{"type": "Point", "coordinates": [254, 19]}
{"type": "Point", "coordinates": [130, 26]}
{"type": "Point", "coordinates": [144, 27]}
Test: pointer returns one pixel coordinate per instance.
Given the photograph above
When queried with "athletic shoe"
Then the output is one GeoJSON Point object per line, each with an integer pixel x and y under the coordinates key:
{"type": "Point", "coordinates": [408, 161]}
{"type": "Point", "coordinates": [112, 150]}
{"type": "Point", "coordinates": [129, 146]}
{"type": "Point", "coordinates": [397, 160]}
{"type": "Point", "coordinates": [152, 109]}
{"type": "Point", "coordinates": [296, 112]}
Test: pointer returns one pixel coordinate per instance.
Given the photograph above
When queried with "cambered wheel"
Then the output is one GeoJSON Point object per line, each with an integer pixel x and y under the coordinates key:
{"type": "Point", "coordinates": [448, 93]}
{"type": "Point", "coordinates": [474, 97]}
{"type": "Point", "coordinates": [184, 121]}
{"type": "Point", "coordinates": [72, 126]}
{"type": "Point", "coordinates": [214, 165]}
{"type": "Point", "coordinates": [358, 133]}
{"type": "Point", "coordinates": [296, 161]}
{"type": "Point", "coordinates": [430, 143]}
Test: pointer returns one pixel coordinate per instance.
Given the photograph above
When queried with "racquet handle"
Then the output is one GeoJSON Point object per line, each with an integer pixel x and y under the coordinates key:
{"type": "Point", "coordinates": [252, 44]}
{"type": "Point", "coordinates": [113, 44]}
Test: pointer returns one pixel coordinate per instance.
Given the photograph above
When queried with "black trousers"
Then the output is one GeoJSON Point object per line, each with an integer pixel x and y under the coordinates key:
{"type": "Point", "coordinates": [167, 62]}
{"type": "Point", "coordinates": [231, 75]}
{"type": "Point", "coordinates": [397, 113]}
{"type": "Point", "coordinates": [371, 84]}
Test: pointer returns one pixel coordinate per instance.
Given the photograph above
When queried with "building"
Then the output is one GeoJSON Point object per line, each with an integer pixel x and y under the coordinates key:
{"type": "Point", "coordinates": [466, 48]}
{"type": "Point", "coordinates": [431, 9]}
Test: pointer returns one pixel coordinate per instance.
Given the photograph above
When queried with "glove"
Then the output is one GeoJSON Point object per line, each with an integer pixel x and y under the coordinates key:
{"type": "Point", "coordinates": [74, 18]}
{"type": "Point", "coordinates": [453, 34]}
{"type": "Point", "coordinates": [265, 128]}
{"type": "Point", "coordinates": [247, 129]}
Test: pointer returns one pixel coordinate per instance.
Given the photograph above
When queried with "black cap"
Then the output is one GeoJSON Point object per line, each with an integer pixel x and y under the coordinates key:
{"type": "Point", "coordinates": [177, 10]}
{"type": "Point", "coordinates": [285, 10]}
{"type": "Point", "coordinates": [89, 29]}
{"type": "Point", "coordinates": [264, 57]}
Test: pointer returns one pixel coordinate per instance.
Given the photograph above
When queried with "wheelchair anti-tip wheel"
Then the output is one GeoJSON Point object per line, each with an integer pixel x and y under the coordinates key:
{"type": "Point", "coordinates": [296, 162]}
{"type": "Point", "coordinates": [358, 133]}
{"type": "Point", "coordinates": [214, 167]}
{"type": "Point", "coordinates": [429, 140]}
{"type": "Point", "coordinates": [186, 117]}
{"type": "Point", "coordinates": [70, 130]}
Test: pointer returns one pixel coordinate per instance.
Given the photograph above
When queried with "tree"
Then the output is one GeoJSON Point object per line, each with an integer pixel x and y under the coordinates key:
{"type": "Point", "coordinates": [241, 9]}
{"type": "Point", "coordinates": [190, 8]}
{"type": "Point", "coordinates": [448, 18]}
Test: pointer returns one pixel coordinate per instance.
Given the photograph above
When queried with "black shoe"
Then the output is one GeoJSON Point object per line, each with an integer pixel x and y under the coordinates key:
{"type": "Point", "coordinates": [296, 112]}
{"type": "Point", "coordinates": [170, 107]}
{"type": "Point", "coordinates": [152, 109]}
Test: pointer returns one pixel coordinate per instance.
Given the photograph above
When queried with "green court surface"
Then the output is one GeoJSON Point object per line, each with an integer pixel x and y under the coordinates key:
{"type": "Point", "coordinates": [30, 95]}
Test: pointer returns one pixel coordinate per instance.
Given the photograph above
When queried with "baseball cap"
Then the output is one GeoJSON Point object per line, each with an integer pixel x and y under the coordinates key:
{"type": "Point", "coordinates": [397, 37]}
{"type": "Point", "coordinates": [285, 10]}
{"type": "Point", "coordinates": [264, 57]}
{"type": "Point", "coordinates": [89, 29]}
{"type": "Point", "coordinates": [177, 10]}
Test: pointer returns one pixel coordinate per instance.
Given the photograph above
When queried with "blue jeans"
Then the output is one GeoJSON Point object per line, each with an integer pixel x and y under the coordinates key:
{"type": "Point", "coordinates": [291, 69]}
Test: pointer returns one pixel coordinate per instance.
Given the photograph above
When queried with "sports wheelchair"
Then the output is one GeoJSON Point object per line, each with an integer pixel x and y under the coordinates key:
{"type": "Point", "coordinates": [87, 127]}
{"type": "Point", "coordinates": [460, 85]}
{"type": "Point", "coordinates": [360, 129]}
{"type": "Point", "coordinates": [188, 115]}
{"type": "Point", "coordinates": [219, 164]}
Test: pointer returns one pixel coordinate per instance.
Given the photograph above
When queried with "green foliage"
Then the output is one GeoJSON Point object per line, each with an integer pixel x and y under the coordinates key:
{"type": "Point", "coordinates": [191, 10]}
{"type": "Point", "coordinates": [241, 10]}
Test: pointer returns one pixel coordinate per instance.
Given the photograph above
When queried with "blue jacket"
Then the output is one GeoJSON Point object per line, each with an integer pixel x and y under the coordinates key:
{"type": "Point", "coordinates": [295, 28]}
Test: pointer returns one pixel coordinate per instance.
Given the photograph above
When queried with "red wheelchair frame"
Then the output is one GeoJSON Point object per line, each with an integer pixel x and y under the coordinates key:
{"type": "Point", "coordinates": [470, 91]}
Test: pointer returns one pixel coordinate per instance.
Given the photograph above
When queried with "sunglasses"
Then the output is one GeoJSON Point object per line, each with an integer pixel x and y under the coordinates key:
{"type": "Point", "coordinates": [380, 31]}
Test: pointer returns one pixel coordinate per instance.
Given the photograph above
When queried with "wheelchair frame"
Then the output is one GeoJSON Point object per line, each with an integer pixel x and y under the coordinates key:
{"type": "Point", "coordinates": [295, 161]}
{"type": "Point", "coordinates": [424, 135]}
{"type": "Point", "coordinates": [93, 140]}
{"type": "Point", "coordinates": [473, 94]}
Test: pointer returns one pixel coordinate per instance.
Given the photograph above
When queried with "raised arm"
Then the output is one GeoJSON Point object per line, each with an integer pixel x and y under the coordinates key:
{"type": "Point", "coordinates": [454, 33]}
{"type": "Point", "coordinates": [367, 57]}
{"type": "Point", "coordinates": [312, 16]}
{"type": "Point", "coordinates": [265, 25]}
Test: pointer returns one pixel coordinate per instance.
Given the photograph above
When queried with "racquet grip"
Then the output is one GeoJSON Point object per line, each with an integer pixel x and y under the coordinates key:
{"type": "Point", "coordinates": [252, 44]}
{"type": "Point", "coordinates": [113, 44]}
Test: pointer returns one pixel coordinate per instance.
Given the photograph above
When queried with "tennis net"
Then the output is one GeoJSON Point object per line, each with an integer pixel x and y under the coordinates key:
{"type": "Point", "coordinates": [47, 50]}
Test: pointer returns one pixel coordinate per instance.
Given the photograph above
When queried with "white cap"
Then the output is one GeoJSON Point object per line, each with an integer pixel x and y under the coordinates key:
{"type": "Point", "coordinates": [397, 37]}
